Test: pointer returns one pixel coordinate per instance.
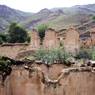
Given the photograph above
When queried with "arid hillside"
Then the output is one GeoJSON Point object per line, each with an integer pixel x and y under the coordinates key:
{"type": "Point", "coordinates": [57, 18]}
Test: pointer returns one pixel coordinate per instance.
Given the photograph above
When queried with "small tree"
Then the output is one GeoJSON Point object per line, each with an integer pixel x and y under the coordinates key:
{"type": "Point", "coordinates": [3, 38]}
{"type": "Point", "coordinates": [17, 34]}
{"type": "Point", "coordinates": [93, 18]}
{"type": "Point", "coordinates": [41, 32]}
{"type": "Point", "coordinates": [1, 41]}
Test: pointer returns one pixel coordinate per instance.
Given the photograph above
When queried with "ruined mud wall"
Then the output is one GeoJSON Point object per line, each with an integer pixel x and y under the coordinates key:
{"type": "Point", "coordinates": [13, 50]}
{"type": "Point", "coordinates": [21, 82]}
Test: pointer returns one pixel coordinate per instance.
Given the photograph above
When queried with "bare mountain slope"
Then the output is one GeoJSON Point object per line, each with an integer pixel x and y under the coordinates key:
{"type": "Point", "coordinates": [56, 18]}
{"type": "Point", "coordinates": [9, 15]}
{"type": "Point", "coordinates": [62, 17]}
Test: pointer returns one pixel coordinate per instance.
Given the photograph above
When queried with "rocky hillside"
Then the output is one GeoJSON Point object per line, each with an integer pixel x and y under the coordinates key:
{"type": "Point", "coordinates": [59, 18]}
{"type": "Point", "coordinates": [9, 15]}
{"type": "Point", "coordinates": [56, 18]}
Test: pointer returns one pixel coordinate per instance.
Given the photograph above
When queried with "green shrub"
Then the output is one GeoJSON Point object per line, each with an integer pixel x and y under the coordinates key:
{"type": "Point", "coordinates": [5, 68]}
{"type": "Point", "coordinates": [40, 53]}
{"type": "Point", "coordinates": [52, 55]}
{"type": "Point", "coordinates": [84, 54]}
{"type": "Point", "coordinates": [93, 17]}
{"type": "Point", "coordinates": [4, 64]}
{"type": "Point", "coordinates": [17, 34]}
{"type": "Point", "coordinates": [1, 41]}
{"type": "Point", "coordinates": [28, 39]}
{"type": "Point", "coordinates": [3, 38]}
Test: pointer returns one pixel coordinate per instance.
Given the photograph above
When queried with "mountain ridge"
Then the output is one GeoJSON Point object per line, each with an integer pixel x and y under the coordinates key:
{"type": "Point", "coordinates": [9, 15]}
{"type": "Point", "coordinates": [56, 18]}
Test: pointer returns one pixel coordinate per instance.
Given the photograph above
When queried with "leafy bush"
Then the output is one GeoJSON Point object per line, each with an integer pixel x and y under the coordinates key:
{"type": "Point", "coordinates": [3, 38]}
{"type": "Point", "coordinates": [1, 41]}
{"type": "Point", "coordinates": [5, 68]}
{"type": "Point", "coordinates": [50, 56]}
{"type": "Point", "coordinates": [4, 63]}
{"type": "Point", "coordinates": [84, 54]}
{"type": "Point", "coordinates": [18, 34]}
{"type": "Point", "coordinates": [93, 17]}
{"type": "Point", "coordinates": [28, 39]}
{"type": "Point", "coordinates": [40, 53]}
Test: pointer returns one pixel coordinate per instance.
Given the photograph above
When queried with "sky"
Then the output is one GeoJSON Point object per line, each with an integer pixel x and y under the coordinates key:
{"type": "Point", "coordinates": [37, 5]}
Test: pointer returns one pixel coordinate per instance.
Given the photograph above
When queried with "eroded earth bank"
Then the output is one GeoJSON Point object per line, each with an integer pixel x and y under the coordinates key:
{"type": "Point", "coordinates": [54, 80]}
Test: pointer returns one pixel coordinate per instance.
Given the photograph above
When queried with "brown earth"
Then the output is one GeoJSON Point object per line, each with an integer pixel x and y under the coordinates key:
{"type": "Point", "coordinates": [75, 83]}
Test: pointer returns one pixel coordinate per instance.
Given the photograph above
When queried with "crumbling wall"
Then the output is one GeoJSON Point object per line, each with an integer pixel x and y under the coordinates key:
{"type": "Point", "coordinates": [12, 51]}
{"type": "Point", "coordinates": [15, 50]}
{"type": "Point", "coordinates": [72, 41]}
{"type": "Point", "coordinates": [50, 40]}
{"type": "Point", "coordinates": [42, 80]}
